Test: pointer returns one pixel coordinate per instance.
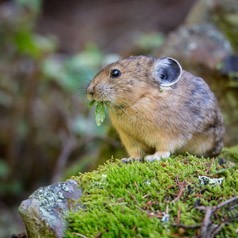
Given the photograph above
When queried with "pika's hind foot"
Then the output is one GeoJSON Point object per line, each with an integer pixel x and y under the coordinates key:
{"type": "Point", "coordinates": [157, 156]}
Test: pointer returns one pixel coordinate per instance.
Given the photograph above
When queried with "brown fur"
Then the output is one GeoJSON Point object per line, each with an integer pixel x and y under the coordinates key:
{"type": "Point", "coordinates": [180, 118]}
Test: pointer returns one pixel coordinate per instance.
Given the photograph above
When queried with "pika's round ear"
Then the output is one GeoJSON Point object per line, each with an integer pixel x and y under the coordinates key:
{"type": "Point", "coordinates": [167, 71]}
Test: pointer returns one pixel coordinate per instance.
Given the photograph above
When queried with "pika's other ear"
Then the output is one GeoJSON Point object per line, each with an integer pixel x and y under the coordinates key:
{"type": "Point", "coordinates": [167, 71]}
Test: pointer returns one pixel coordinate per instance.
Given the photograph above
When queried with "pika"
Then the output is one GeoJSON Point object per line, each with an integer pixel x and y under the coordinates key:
{"type": "Point", "coordinates": [158, 108]}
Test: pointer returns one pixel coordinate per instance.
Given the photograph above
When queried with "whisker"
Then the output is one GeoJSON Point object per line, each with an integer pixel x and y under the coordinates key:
{"type": "Point", "coordinates": [80, 88]}
{"type": "Point", "coordinates": [79, 91]}
{"type": "Point", "coordinates": [79, 104]}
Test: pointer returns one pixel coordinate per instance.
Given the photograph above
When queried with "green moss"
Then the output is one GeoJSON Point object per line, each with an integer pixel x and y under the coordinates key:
{"type": "Point", "coordinates": [129, 200]}
{"type": "Point", "coordinates": [231, 153]}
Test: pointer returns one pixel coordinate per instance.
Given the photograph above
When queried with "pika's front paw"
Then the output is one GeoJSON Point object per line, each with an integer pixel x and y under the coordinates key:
{"type": "Point", "coordinates": [157, 156]}
{"type": "Point", "coordinates": [131, 159]}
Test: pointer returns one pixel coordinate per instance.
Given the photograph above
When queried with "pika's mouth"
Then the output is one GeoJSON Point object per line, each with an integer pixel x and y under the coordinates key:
{"type": "Point", "coordinates": [90, 97]}
{"type": "Point", "coordinates": [110, 105]}
{"type": "Point", "coordinates": [95, 98]}
{"type": "Point", "coordinates": [97, 93]}
{"type": "Point", "coordinates": [95, 102]}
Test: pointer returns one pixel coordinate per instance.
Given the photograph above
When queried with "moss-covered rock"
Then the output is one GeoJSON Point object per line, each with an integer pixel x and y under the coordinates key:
{"type": "Point", "coordinates": [160, 199]}
{"type": "Point", "coordinates": [43, 213]}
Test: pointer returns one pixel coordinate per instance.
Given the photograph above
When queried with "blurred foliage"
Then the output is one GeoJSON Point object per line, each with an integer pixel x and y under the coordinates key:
{"type": "Point", "coordinates": [231, 153]}
{"type": "Point", "coordinates": [32, 5]}
{"type": "Point", "coordinates": [149, 42]}
{"type": "Point", "coordinates": [67, 72]}
{"type": "Point", "coordinates": [228, 23]}
{"type": "Point", "coordinates": [45, 122]}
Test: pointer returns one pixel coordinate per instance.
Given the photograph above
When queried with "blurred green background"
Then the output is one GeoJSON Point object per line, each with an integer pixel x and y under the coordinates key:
{"type": "Point", "coordinates": [49, 50]}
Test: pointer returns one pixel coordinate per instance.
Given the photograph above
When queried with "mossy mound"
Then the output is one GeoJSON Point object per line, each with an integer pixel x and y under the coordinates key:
{"type": "Point", "coordinates": [158, 199]}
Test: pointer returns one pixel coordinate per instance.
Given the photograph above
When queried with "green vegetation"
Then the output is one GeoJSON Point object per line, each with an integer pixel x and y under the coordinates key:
{"type": "Point", "coordinates": [231, 153]}
{"type": "Point", "coordinates": [100, 111]}
{"type": "Point", "coordinates": [133, 200]}
{"type": "Point", "coordinates": [228, 23]}
{"type": "Point", "coordinates": [47, 133]}
{"type": "Point", "coordinates": [43, 106]}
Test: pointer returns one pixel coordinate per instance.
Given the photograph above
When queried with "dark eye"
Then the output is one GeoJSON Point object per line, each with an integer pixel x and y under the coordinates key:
{"type": "Point", "coordinates": [115, 73]}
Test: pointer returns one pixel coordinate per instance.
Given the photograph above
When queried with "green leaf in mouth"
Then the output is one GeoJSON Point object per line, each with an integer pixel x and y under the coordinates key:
{"type": "Point", "coordinates": [91, 104]}
{"type": "Point", "coordinates": [100, 111]}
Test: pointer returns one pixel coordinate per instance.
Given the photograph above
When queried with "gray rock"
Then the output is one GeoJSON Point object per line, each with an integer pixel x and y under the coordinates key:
{"type": "Point", "coordinates": [44, 211]}
{"type": "Point", "coordinates": [197, 45]}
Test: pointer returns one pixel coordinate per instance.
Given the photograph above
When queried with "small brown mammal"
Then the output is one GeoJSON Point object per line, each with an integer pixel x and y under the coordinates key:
{"type": "Point", "coordinates": [158, 108]}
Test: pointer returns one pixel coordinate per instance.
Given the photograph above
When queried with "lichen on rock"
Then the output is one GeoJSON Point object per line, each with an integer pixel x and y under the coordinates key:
{"type": "Point", "coordinates": [43, 212]}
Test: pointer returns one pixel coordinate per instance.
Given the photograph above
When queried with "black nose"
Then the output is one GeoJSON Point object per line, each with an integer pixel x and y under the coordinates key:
{"type": "Point", "coordinates": [90, 92]}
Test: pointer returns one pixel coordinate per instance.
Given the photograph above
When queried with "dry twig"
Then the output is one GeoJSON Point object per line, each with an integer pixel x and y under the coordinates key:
{"type": "Point", "coordinates": [207, 227]}
{"type": "Point", "coordinates": [181, 186]}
